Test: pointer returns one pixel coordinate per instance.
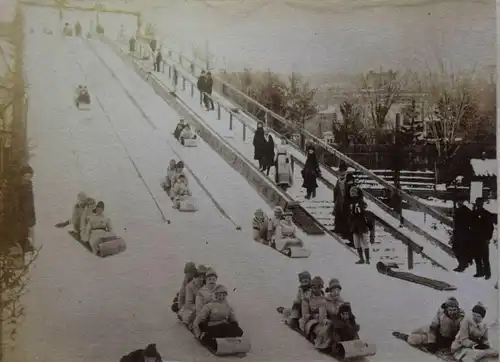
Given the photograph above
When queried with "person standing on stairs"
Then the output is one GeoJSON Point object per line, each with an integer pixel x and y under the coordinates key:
{"type": "Point", "coordinates": [158, 61]}
{"type": "Point", "coordinates": [267, 152]}
{"type": "Point", "coordinates": [258, 144]}
{"type": "Point", "coordinates": [208, 96]}
{"type": "Point", "coordinates": [201, 85]}
{"type": "Point", "coordinates": [482, 227]}
{"type": "Point", "coordinates": [461, 237]}
{"type": "Point", "coordinates": [362, 226]}
{"type": "Point", "coordinates": [310, 173]}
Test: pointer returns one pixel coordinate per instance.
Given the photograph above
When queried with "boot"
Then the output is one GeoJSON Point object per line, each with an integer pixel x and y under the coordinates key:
{"type": "Point", "coordinates": [367, 256]}
{"type": "Point", "coordinates": [460, 268]}
{"type": "Point", "coordinates": [361, 258]}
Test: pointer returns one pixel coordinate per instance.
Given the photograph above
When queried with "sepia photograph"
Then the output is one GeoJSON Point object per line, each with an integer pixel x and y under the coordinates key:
{"type": "Point", "coordinates": [248, 180]}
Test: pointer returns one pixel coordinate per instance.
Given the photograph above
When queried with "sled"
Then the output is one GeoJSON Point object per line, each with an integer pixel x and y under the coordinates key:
{"type": "Point", "coordinates": [187, 205]}
{"type": "Point", "coordinates": [82, 100]}
{"type": "Point", "coordinates": [231, 346]}
{"type": "Point", "coordinates": [409, 277]}
{"type": "Point", "coordinates": [292, 247]}
{"type": "Point", "coordinates": [190, 142]}
{"type": "Point", "coordinates": [82, 243]}
{"type": "Point", "coordinates": [111, 245]}
{"type": "Point", "coordinates": [443, 354]}
{"type": "Point", "coordinates": [349, 350]}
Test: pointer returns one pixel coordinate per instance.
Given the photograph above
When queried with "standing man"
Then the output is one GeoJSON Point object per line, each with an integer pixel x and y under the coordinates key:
{"type": "Point", "coordinates": [158, 60]}
{"type": "Point", "coordinates": [482, 222]}
{"type": "Point", "coordinates": [26, 209]}
{"type": "Point", "coordinates": [461, 236]}
{"type": "Point", "coordinates": [209, 84]}
{"type": "Point", "coordinates": [201, 85]}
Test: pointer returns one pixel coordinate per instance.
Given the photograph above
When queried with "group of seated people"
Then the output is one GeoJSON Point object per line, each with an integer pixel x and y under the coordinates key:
{"type": "Point", "coordinates": [322, 316]}
{"type": "Point", "coordinates": [89, 222]}
{"type": "Point", "coordinates": [202, 305]}
{"type": "Point", "coordinates": [277, 230]}
{"type": "Point", "coordinates": [176, 183]}
{"type": "Point", "coordinates": [465, 337]}
{"type": "Point", "coordinates": [183, 131]}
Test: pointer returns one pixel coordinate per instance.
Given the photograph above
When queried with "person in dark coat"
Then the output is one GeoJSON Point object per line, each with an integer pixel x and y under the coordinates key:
{"type": "Point", "coordinates": [267, 152]}
{"type": "Point", "coordinates": [158, 60]}
{"type": "Point", "coordinates": [339, 196]}
{"type": "Point", "coordinates": [310, 173]}
{"type": "Point", "coordinates": [202, 85]}
{"type": "Point", "coordinates": [27, 216]}
{"type": "Point", "coordinates": [482, 225]}
{"type": "Point", "coordinates": [461, 236]}
{"type": "Point", "coordinates": [78, 29]}
{"type": "Point", "coordinates": [149, 354]}
{"type": "Point", "coordinates": [208, 92]}
{"type": "Point", "coordinates": [362, 225]}
{"type": "Point", "coordinates": [258, 144]}
{"type": "Point", "coordinates": [178, 129]}
{"type": "Point", "coordinates": [153, 44]}
{"type": "Point", "coordinates": [349, 199]}
{"type": "Point", "coordinates": [131, 45]}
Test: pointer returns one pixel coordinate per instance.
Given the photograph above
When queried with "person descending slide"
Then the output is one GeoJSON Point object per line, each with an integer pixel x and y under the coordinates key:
{"type": "Point", "coordinates": [189, 274]}
{"type": "Point", "coordinates": [216, 320]}
{"type": "Point", "coordinates": [471, 343]}
{"type": "Point", "coordinates": [180, 191]}
{"type": "Point", "coordinates": [311, 307]}
{"type": "Point", "coordinates": [205, 294]}
{"type": "Point", "coordinates": [187, 137]}
{"type": "Point", "coordinates": [171, 172]}
{"type": "Point", "coordinates": [294, 314]}
{"type": "Point", "coordinates": [178, 129]}
{"type": "Point", "coordinates": [99, 225]}
{"type": "Point", "coordinates": [187, 313]}
{"type": "Point", "coordinates": [77, 215]}
{"type": "Point", "coordinates": [260, 226]}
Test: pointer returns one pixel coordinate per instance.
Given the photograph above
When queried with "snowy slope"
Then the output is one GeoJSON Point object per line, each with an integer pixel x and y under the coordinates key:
{"type": "Point", "coordinates": [82, 308]}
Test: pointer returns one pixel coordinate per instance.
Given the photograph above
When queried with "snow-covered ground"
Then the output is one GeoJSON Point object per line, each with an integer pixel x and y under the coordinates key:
{"type": "Point", "coordinates": [82, 308]}
{"type": "Point", "coordinates": [283, 37]}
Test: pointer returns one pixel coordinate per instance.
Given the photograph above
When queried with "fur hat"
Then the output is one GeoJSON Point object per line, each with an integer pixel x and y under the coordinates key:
{"type": "Point", "coordinates": [345, 308]}
{"type": "Point", "coordinates": [220, 289]}
{"type": "Point", "coordinates": [305, 275]}
{"type": "Point", "coordinates": [151, 351]}
{"type": "Point", "coordinates": [317, 281]}
{"type": "Point", "coordinates": [210, 272]}
{"type": "Point", "coordinates": [334, 283]}
{"type": "Point", "coordinates": [190, 268]}
{"type": "Point", "coordinates": [451, 302]}
{"type": "Point", "coordinates": [480, 309]}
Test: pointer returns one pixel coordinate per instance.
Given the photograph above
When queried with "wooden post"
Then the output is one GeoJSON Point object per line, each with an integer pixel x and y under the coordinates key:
{"type": "Point", "coordinates": [398, 149]}
{"type": "Point", "coordinates": [244, 132]}
{"type": "Point", "coordinates": [192, 90]}
{"type": "Point", "coordinates": [218, 110]}
{"type": "Point", "coordinates": [183, 83]}
{"type": "Point", "coordinates": [410, 257]}
{"type": "Point", "coordinates": [231, 121]}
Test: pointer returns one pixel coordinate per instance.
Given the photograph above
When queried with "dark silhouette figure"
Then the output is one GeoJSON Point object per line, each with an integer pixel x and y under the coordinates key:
{"type": "Point", "coordinates": [310, 173]}
{"type": "Point", "coordinates": [258, 144]}
{"type": "Point", "coordinates": [158, 61]}
{"type": "Point", "coordinates": [267, 152]}
{"type": "Point", "coordinates": [202, 85]}
{"type": "Point", "coordinates": [141, 355]}
{"type": "Point", "coordinates": [482, 229]}
{"type": "Point", "coordinates": [462, 236]}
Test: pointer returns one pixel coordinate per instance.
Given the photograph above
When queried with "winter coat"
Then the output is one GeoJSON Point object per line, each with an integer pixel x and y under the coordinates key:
{"type": "Point", "coordinates": [153, 44]}
{"type": "Point", "coordinates": [284, 169]}
{"type": "Point", "coordinates": [179, 191]}
{"type": "Point", "coordinates": [482, 225]}
{"type": "Point", "coordinates": [178, 130]}
{"type": "Point", "coordinates": [175, 177]}
{"type": "Point", "coordinates": [131, 44]}
{"type": "Point", "coordinates": [27, 205]}
{"type": "Point", "coordinates": [331, 306]}
{"type": "Point", "coordinates": [182, 292]}
{"type": "Point", "coordinates": [260, 223]}
{"type": "Point", "coordinates": [339, 192]}
{"type": "Point", "coordinates": [171, 172]}
{"type": "Point", "coordinates": [469, 334]}
{"type": "Point", "coordinates": [311, 172]}
{"type": "Point", "coordinates": [187, 133]}
{"type": "Point", "coordinates": [311, 307]}
{"type": "Point", "coordinates": [344, 330]}
{"type": "Point", "coordinates": [258, 144]}
{"type": "Point", "coordinates": [302, 293]}
{"type": "Point", "coordinates": [204, 296]}
{"type": "Point", "coordinates": [191, 293]}
{"type": "Point", "coordinates": [268, 151]}
{"type": "Point", "coordinates": [76, 216]}
{"type": "Point", "coordinates": [209, 83]}
{"type": "Point", "coordinates": [273, 225]}
{"type": "Point", "coordinates": [201, 84]}
{"type": "Point", "coordinates": [360, 220]}
{"type": "Point", "coordinates": [446, 326]}
{"type": "Point", "coordinates": [214, 313]}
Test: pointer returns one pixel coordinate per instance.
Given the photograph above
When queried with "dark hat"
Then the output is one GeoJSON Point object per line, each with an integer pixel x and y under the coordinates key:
{"type": "Point", "coordinates": [479, 309]}
{"type": "Point", "coordinates": [151, 351]}
{"type": "Point", "coordinates": [180, 164]}
{"type": "Point", "coordinates": [190, 268]}
{"type": "Point", "coordinates": [345, 308]}
{"type": "Point", "coordinates": [317, 281]}
{"type": "Point", "coordinates": [452, 302]}
{"type": "Point", "coordinates": [334, 284]}
{"type": "Point", "coordinates": [305, 275]}
{"type": "Point", "coordinates": [100, 204]}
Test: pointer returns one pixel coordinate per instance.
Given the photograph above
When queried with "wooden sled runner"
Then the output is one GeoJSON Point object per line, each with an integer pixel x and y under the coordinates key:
{"type": "Point", "coordinates": [443, 354]}
{"type": "Point", "coordinates": [187, 205]}
{"type": "Point", "coordinates": [431, 283]}
{"type": "Point", "coordinates": [349, 350]}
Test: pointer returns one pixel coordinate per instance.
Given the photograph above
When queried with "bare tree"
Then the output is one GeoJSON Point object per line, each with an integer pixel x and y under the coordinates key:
{"type": "Point", "coordinates": [380, 91]}
{"type": "Point", "coordinates": [451, 102]}
{"type": "Point", "coordinates": [299, 100]}
{"type": "Point", "coordinates": [350, 127]}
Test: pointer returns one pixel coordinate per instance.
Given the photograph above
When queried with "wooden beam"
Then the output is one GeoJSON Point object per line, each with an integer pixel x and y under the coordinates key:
{"type": "Point", "coordinates": [81, 8]}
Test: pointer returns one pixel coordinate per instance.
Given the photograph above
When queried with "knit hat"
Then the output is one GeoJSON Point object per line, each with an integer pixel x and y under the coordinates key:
{"type": "Point", "coordinates": [334, 284]}
{"type": "Point", "coordinates": [180, 164]}
{"type": "Point", "coordinates": [317, 281]}
{"type": "Point", "coordinates": [451, 302]}
{"type": "Point", "coordinates": [345, 308]}
{"type": "Point", "coordinates": [100, 204]}
{"type": "Point", "coordinates": [479, 309]}
{"type": "Point", "coordinates": [305, 275]}
{"type": "Point", "coordinates": [201, 270]}
{"type": "Point", "coordinates": [190, 268]}
{"type": "Point", "coordinates": [259, 213]}
{"type": "Point", "coordinates": [220, 289]}
{"type": "Point", "coordinates": [150, 350]}
{"type": "Point", "coordinates": [210, 272]}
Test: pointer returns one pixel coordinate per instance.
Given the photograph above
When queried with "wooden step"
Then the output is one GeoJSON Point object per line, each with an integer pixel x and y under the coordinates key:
{"type": "Point", "coordinates": [304, 220]}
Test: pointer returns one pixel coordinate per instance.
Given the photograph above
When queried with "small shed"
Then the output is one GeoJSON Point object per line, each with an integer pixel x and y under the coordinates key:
{"type": "Point", "coordinates": [483, 178]}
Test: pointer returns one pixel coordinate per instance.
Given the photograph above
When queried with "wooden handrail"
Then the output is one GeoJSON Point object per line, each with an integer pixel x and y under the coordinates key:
{"type": "Point", "coordinates": [405, 196]}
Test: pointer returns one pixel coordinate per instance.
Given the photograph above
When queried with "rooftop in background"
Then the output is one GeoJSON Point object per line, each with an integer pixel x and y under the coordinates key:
{"type": "Point", "coordinates": [484, 168]}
